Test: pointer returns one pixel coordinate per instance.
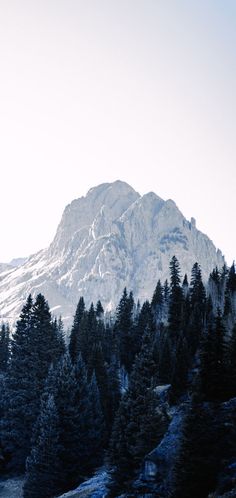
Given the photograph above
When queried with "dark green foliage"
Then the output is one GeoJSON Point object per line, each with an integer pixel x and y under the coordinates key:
{"type": "Point", "coordinates": [180, 371]}
{"type": "Point", "coordinates": [114, 391]}
{"type": "Point", "coordinates": [43, 465]}
{"type": "Point", "coordinates": [124, 330]}
{"type": "Point", "coordinates": [70, 407]}
{"type": "Point", "coordinates": [4, 347]}
{"type": "Point", "coordinates": [58, 408]}
{"type": "Point", "coordinates": [89, 331]}
{"type": "Point", "coordinates": [97, 430]}
{"type": "Point", "coordinates": [232, 278]}
{"type": "Point", "coordinates": [99, 309]}
{"type": "Point", "coordinates": [185, 285]}
{"type": "Point", "coordinates": [74, 345]}
{"type": "Point", "coordinates": [144, 321]}
{"type": "Point", "coordinates": [232, 364]}
{"type": "Point", "coordinates": [197, 465]}
{"type": "Point", "coordinates": [175, 299]}
{"type": "Point", "coordinates": [157, 302]}
{"type": "Point", "coordinates": [213, 368]}
{"type": "Point", "coordinates": [139, 424]}
{"type": "Point", "coordinates": [197, 315]}
{"type": "Point", "coordinates": [60, 339]}
{"type": "Point", "coordinates": [34, 347]}
{"type": "Point", "coordinates": [166, 360]}
{"type": "Point", "coordinates": [97, 365]}
{"type": "Point", "coordinates": [81, 427]}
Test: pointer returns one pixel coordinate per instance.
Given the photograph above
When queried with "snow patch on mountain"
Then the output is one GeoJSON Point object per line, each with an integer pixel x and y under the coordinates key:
{"type": "Point", "coordinates": [109, 239]}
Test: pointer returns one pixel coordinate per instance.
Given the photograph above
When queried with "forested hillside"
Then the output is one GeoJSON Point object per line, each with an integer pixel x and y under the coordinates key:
{"type": "Point", "coordinates": [111, 397]}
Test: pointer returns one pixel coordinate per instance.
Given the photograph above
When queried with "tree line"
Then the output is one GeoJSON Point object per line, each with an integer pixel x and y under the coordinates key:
{"type": "Point", "coordinates": [68, 407]}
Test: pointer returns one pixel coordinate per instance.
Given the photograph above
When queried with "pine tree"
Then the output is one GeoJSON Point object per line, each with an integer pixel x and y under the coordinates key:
{"type": "Point", "coordinates": [158, 302]}
{"type": "Point", "coordinates": [185, 286]}
{"type": "Point", "coordinates": [197, 308]}
{"type": "Point", "coordinates": [232, 364]}
{"type": "Point", "coordinates": [144, 321]}
{"type": "Point", "coordinates": [60, 347]}
{"type": "Point", "coordinates": [197, 464]}
{"type": "Point", "coordinates": [74, 346]}
{"type": "Point", "coordinates": [97, 365]}
{"type": "Point", "coordinates": [97, 430]}
{"type": "Point", "coordinates": [46, 346]}
{"type": "Point", "coordinates": [16, 424]}
{"type": "Point", "coordinates": [114, 390]}
{"type": "Point", "coordinates": [124, 330]}
{"type": "Point", "coordinates": [180, 372]}
{"type": "Point", "coordinates": [99, 309]}
{"type": "Point", "coordinates": [91, 427]}
{"type": "Point", "coordinates": [176, 299]}
{"type": "Point", "coordinates": [215, 291]}
{"type": "Point", "coordinates": [230, 298]}
{"type": "Point", "coordinates": [69, 386]}
{"type": "Point", "coordinates": [166, 292]}
{"type": "Point", "coordinates": [4, 347]}
{"type": "Point", "coordinates": [34, 347]}
{"type": "Point", "coordinates": [213, 367]}
{"type": "Point", "coordinates": [139, 424]}
{"type": "Point", "coordinates": [166, 361]}
{"type": "Point", "coordinates": [232, 278]}
{"type": "Point", "coordinates": [65, 391]}
{"type": "Point", "coordinates": [43, 464]}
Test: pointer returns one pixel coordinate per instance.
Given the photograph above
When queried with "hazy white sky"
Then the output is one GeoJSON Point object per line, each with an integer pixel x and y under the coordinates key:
{"type": "Point", "coordinates": [97, 90]}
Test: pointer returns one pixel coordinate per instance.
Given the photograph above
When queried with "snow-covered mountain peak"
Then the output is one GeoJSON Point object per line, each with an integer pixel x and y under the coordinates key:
{"type": "Point", "coordinates": [106, 240]}
{"type": "Point", "coordinates": [100, 207]}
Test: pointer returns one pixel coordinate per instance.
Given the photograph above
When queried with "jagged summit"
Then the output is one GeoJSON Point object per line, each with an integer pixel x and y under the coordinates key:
{"type": "Point", "coordinates": [106, 240]}
{"type": "Point", "coordinates": [96, 211]}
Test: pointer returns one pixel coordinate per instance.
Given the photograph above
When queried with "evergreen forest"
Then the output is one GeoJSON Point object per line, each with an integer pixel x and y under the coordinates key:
{"type": "Point", "coordinates": [116, 389]}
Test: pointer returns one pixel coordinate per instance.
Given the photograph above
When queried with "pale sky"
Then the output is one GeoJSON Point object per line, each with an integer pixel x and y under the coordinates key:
{"type": "Point", "coordinates": [97, 90]}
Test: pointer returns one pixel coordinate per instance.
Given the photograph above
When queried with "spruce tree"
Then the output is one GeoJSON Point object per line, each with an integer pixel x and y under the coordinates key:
{"type": "Point", "coordinates": [43, 464]}
{"type": "Point", "coordinates": [124, 330]}
{"type": "Point", "coordinates": [213, 366]}
{"type": "Point", "coordinates": [97, 365]}
{"type": "Point", "coordinates": [176, 299]}
{"type": "Point", "coordinates": [65, 389]}
{"type": "Point", "coordinates": [16, 424]}
{"type": "Point", "coordinates": [96, 438]}
{"type": "Point", "coordinates": [139, 424]}
{"type": "Point", "coordinates": [74, 346]}
{"type": "Point", "coordinates": [4, 347]}
{"type": "Point", "coordinates": [33, 348]}
{"type": "Point", "coordinates": [197, 308]}
{"type": "Point", "coordinates": [231, 350]}
{"type": "Point", "coordinates": [185, 286]}
{"type": "Point", "coordinates": [99, 309]}
{"type": "Point", "coordinates": [114, 389]}
{"type": "Point", "coordinates": [180, 371]}
{"type": "Point", "coordinates": [69, 386]}
{"type": "Point", "coordinates": [166, 361]}
{"type": "Point", "coordinates": [145, 320]}
{"type": "Point", "coordinates": [158, 302]}
{"type": "Point", "coordinates": [197, 465]}
{"type": "Point", "coordinates": [232, 278]}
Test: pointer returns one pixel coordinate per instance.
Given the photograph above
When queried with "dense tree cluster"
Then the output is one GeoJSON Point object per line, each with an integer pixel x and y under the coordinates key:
{"type": "Point", "coordinates": [65, 408]}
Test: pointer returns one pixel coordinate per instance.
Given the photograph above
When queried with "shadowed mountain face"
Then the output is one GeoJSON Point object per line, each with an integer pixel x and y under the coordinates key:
{"type": "Point", "coordinates": [105, 241]}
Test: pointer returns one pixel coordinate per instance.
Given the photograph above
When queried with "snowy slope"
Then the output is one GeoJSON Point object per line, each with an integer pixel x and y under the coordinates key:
{"type": "Point", "coordinates": [109, 239]}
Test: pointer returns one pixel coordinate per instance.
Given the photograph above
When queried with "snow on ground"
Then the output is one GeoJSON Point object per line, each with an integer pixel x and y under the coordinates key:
{"type": "Point", "coordinates": [93, 488]}
{"type": "Point", "coordinates": [11, 488]}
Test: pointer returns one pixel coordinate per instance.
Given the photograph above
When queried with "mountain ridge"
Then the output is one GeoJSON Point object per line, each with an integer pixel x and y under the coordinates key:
{"type": "Point", "coordinates": [111, 238]}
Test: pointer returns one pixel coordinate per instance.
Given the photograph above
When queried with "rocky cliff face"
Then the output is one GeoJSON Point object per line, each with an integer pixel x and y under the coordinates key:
{"type": "Point", "coordinates": [109, 239]}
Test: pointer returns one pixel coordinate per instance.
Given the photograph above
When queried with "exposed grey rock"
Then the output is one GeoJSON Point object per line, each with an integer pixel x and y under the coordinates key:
{"type": "Point", "coordinates": [109, 239]}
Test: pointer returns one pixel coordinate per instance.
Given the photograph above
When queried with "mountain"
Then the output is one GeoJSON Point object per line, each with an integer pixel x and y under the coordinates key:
{"type": "Point", "coordinates": [109, 239]}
